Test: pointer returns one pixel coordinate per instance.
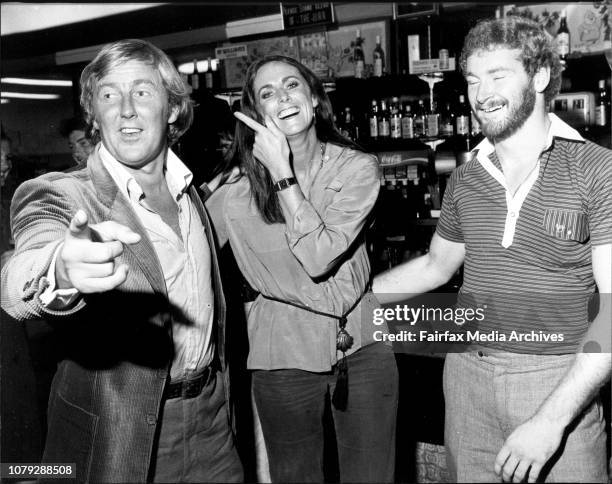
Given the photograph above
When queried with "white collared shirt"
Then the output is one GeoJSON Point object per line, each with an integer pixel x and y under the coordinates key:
{"type": "Point", "coordinates": [186, 263]}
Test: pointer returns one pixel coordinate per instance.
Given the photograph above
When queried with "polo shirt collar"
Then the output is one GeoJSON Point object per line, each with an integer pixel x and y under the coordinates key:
{"type": "Point", "coordinates": [558, 129]}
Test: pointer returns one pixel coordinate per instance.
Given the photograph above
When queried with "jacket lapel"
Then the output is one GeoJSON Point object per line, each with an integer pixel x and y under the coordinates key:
{"type": "Point", "coordinates": [121, 212]}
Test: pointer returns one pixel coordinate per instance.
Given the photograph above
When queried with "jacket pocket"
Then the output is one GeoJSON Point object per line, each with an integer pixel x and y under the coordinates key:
{"type": "Point", "coordinates": [70, 437]}
{"type": "Point", "coordinates": [566, 224]}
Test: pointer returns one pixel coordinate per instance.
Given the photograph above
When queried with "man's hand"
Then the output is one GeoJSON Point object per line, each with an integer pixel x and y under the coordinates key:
{"type": "Point", "coordinates": [530, 445]}
{"type": "Point", "coordinates": [86, 261]}
{"type": "Point", "coordinates": [270, 147]}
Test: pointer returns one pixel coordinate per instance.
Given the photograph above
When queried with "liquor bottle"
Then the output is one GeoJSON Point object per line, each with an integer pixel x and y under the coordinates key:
{"type": "Point", "coordinates": [347, 127]}
{"type": "Point", "coordinates": [462, 144]}
{"type": "Point", "coordinates": [475, 131]}
{"type": "Point", "coordinates": [432, 122]}
{"type": "Point", "coordinates": [462, 119]}
{"type": "Point", "coordinates": [373, 119]}
{"type": "Point", "coordinates": [602, 107]}
{"type": "Point", "coordinates": [447, 122]}
{"type": "Point", "coordinates": [407, 122]}
{"type": "Point", "coordinates": [396, 119]}
{"type": "Point", "coordinates": [419, 120]}
{"type": "Point", "coordinates": [379, 59]}
{"type": "Point", "coordinates": [563, 38]}
{"type": "Point", "coordinates": [358, 56]}
{"type": "Point", "coordinates": [384, 124]}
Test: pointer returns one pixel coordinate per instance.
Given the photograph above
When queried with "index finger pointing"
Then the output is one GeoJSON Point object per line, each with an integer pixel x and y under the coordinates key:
{"type": "Point", "coordinates": [110, 230]}
{"type": "Point", "coordinates": [250, 122]}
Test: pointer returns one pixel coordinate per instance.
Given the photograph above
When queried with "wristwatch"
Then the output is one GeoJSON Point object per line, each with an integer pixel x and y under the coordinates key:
{"type": "Point", "coordinates": [284, 183]}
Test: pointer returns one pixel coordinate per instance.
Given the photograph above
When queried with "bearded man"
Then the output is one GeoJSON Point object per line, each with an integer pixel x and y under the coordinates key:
{"type": "Point", "coordinates": [530, 218]}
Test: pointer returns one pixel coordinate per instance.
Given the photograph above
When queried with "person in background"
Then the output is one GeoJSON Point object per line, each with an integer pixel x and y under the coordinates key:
{"type": "Point", "coordinates": [8, 185]}
{"type": "Point", "coordinates": [295, 219]}
{"type": "Point", "coordinates": [530, 214]}
{"type": "Point", "coordinates": [121, 256]}
{"type": "Point", "coordinates": [81, 146]}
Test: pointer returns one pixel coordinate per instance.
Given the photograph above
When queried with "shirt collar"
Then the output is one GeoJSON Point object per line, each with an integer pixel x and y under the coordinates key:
{"type": "Point", "coordinates": [558, 129]}
{"type": "Point", "coordinates": [178, 176]}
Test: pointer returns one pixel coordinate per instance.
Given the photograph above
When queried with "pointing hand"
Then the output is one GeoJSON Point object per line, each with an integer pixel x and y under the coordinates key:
{"type": "Point", "coordinates": [86, 260]}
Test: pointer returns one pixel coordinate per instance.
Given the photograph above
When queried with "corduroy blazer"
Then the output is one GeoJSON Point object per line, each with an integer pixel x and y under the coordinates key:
{"type": "Point", "coordinates": [117, 346]}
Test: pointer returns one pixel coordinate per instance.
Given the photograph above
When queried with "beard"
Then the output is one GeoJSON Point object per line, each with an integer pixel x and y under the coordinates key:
{"type": "Point", "coordinates": [518, 112]}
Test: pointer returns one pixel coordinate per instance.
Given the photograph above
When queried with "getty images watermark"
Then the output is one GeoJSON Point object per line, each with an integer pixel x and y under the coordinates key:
{"type": "Point", "coordinates": [518, 322]}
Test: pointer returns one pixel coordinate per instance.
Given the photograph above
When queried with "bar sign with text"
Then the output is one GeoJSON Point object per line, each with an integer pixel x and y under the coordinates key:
{"type": "Point", "coordinates": [307, 14]}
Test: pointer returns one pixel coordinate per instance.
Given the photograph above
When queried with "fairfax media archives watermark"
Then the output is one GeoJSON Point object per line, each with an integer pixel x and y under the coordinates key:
{"type": "Point", "coordinates": [523, 323]}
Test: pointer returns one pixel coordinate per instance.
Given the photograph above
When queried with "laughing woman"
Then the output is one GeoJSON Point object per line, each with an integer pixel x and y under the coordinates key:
{"type": "Point", "coordinates": [295, 220]}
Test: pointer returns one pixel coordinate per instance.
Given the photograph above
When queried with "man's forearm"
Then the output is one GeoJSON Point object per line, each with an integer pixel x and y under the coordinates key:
{"type": "Point", "coordinates": [421, 274]}
{"type": "Point", "coordinates": [582, 382]}
{"type": "Point", "coordinates": [414, 277]}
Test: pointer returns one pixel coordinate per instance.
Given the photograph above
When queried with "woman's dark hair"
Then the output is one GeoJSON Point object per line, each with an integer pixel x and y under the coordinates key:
{"type": "Point", "coordinates": [241, 152]}
{"type": "Point", "coordinates": [536, 47]}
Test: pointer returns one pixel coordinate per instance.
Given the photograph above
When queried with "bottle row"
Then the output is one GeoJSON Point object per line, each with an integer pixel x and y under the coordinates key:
{"type": "Point", "coordinates": [390, 119]}
{"type": "Point", "coordinates": [425, 120]}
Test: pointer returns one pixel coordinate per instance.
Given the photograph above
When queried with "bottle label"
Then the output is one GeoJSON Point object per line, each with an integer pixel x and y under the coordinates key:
{"type": "Point", "coordinates": [563, 43]}
{"type": "Point", "coordinates": [373, 127]}
{"type": "Point", "coordinates": [407, 128]}
{"type": "Point", "coordinates": [432, 128]}
{"type": "Point", "coordinates": [601, 115]}
{"type": "Point", "coordinates": [446, 128]}
{"type": "Point", "coordinates": [396, 127]}
{"type": "Point", "coordinates": [463, 125]}
{"type": "Point", "coordinates": [378, 67]}
{"type": "Point", "coordinates": [359, 65]}
{"type": "Point", "coordinates": [383, 127]}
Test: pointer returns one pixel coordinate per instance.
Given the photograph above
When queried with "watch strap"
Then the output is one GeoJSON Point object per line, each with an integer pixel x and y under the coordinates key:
{"type": "Point", "coordinates": [284, 183]}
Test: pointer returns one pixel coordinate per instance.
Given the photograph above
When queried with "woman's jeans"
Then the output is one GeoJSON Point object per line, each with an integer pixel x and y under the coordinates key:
{"type": "Point", "coordinates": [291, 405]}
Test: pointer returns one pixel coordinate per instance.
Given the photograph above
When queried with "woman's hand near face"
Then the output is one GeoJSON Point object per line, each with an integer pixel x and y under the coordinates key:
{"type": "Point", "coordinates": [270, 146]}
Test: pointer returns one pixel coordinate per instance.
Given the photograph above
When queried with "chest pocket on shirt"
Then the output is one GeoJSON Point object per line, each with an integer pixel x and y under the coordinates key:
{"type": "Point", "coordinates": [566, 224]}
{"type": "Point", "coordinates": [335, 185]}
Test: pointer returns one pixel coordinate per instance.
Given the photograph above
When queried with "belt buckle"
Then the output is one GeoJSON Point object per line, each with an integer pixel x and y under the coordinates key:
{"type": "Point", "coordinates": [189, 388]}
{"type": "Point", "coordinates": [192, 388]}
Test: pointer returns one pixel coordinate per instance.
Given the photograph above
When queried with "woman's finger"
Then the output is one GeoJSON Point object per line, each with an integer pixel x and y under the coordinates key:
{"type": "Point", "coordinates": [250, 122]}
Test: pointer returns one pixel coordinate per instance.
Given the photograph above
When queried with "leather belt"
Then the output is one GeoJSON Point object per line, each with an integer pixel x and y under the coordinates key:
{"type": "Point", "coordinates": [192, 387]}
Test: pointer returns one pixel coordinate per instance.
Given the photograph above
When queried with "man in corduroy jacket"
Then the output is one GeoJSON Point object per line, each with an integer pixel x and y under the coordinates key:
{"type": "Point", "coordinates": [119, 255]}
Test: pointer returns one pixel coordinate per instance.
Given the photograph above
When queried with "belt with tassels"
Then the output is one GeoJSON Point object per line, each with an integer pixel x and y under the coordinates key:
{"type": "Point", "coordinates": [344, 341]}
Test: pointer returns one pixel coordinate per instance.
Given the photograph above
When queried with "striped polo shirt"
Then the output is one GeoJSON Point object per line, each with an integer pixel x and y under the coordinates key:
{"type": "Point", "coordinates": [528, 255]}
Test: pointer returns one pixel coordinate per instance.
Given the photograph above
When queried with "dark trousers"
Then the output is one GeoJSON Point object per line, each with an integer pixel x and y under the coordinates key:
{"type": "Point", "coordinates": [196, 442]}
{"type": "Point", "coordinates": [291, 405]}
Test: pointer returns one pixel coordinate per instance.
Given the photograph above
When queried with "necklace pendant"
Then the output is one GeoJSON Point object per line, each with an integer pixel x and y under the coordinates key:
{"type": "Point", "coordinates": [343, 340]}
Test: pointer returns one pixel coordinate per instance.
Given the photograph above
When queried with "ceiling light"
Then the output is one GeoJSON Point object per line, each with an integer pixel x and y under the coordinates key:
{"type": "Point", "coordinates": [36, 82]}
{"type": "Point", "coordinates": [5, 101]}
{"type": "Point", "coordinates": [23, 95]}
{"type": "Point", "coordinates": [186, 68]}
